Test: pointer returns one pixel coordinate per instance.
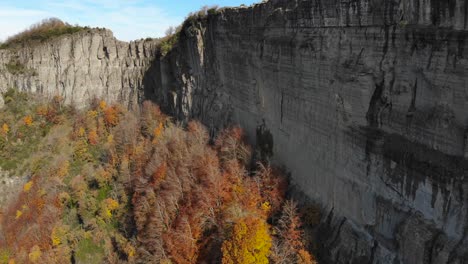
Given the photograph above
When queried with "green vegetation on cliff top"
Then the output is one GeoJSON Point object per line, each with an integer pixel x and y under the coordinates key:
{"type": "Point", "coordinates": [44, 30]}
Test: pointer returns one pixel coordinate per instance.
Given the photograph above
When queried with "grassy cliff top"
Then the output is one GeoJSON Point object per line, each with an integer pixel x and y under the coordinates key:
{"type": "Point", "coordinates": [44, 30]}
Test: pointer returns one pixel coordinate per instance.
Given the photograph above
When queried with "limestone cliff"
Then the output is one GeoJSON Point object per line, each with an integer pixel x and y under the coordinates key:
{"type": "Point", "coordinates": [364, 101]}
{"type": "Point", "coordinates": [367, 105]}
{"type": "Point", "coordinates": [80, 66]}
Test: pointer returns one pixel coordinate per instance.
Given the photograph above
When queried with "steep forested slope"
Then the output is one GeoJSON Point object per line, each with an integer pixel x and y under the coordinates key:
{"type": "Point", "coordinates": [106, 185]}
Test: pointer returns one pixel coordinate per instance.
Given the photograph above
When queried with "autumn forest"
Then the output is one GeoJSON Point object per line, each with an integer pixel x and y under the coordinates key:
{"type": "Point", "coordinates": [108, 185]}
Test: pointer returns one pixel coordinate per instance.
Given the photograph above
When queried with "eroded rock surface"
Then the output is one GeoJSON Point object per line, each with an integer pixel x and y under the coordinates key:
{"type": "Point", "coordinates": [367, 105]}
{"type": "Point", "coordinates": [81, 66]}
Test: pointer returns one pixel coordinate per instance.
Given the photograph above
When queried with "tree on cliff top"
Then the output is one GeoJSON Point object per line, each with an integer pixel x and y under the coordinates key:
{"type": "Point", "coordinates": [45, 29]}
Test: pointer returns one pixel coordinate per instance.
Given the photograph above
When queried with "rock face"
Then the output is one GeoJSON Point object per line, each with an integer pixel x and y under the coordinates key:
{"type": "Point", "coordinates": [88, 64]}
{"type": "Point", "coordinates": [364, 101]}
{"type": "Point", "coordinates": [367, 105]}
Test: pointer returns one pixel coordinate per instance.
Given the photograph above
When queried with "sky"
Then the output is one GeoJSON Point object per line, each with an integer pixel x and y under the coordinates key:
{"type": "Point", "coordinates": [128, 19]}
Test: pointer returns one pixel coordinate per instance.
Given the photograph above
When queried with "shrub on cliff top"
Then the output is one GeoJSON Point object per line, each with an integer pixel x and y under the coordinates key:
{"type": "Point", "coordinates": [44, 30]}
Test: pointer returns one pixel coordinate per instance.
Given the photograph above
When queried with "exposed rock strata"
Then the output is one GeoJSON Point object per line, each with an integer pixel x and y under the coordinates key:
{"type": "Point", "coordinates": [364, 101]}
{"type": "Point", "coordinates": [367, 102]}
{"type": "Point", "coordinates": [88, 64]}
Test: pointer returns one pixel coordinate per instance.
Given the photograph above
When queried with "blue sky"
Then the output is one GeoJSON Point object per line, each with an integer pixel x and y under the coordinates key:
{"type": "Point", "coordinates": [128, 19]}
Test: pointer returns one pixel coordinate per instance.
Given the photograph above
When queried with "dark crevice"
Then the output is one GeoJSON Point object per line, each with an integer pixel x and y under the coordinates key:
{"type": "Point", "coordinates": [375, 105]}
{"type": "Point", "coordinates": [338, 231]}
{"type": "Point", "coordinates": [374, 249]}
{"type": "Point", "coordinates": [412, 107]}
{"type": "Point", "coordinates": [282, 104]}
{"type": "Point", "coordinates": [106, 52]}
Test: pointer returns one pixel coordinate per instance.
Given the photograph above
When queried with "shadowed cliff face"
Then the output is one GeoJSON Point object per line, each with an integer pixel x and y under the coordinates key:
{"type": "Point", "coordinates": [79, 67]}
{"type": "Point", "coordinates": [366, 102]}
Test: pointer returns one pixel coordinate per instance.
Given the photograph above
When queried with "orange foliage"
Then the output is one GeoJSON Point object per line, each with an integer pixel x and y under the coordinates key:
{"type": "Point", "coordinates": [159, 175]}
{"type": "Point", "coordinates": [111, 116]}
{"type": "Point", "coordinates": [102, 105]}
{"type": "Point", "coordinates": [179, 194]}
{"type": "Point", "coordinates": [93, 138]}
{"type": "Point", "coordinates": [27, 120]}
{"type": "Point", "coordinates": [157, 133]}
{"type": "Point", "coordinates": [5, 129]}
{"type": "Point", "coordinates": [50, 112]}
{"type": "Point", "coordinates": [304, 257]}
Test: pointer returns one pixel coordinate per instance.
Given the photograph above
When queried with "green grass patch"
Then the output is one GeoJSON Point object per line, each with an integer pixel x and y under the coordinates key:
{"type": "Point", "coordinates": [89, 252]}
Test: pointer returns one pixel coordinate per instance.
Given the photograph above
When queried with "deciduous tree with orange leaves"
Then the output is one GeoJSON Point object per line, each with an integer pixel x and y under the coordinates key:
{"type": "Point", "coordinates": [28, 120]}
{"type": "Point", "coordinates": [111, 116]}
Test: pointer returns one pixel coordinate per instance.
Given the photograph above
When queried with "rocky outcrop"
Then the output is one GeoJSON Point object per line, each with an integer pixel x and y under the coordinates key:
{"type": "Point", "coordinates": [91, 63]}
{"type": "Point", "coordinates": [366, 103]}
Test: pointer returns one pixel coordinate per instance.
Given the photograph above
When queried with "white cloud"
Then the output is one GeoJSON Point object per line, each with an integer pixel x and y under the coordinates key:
{"type": "Point", "coordinates": [128, 19]}
{"type": "Point", "coordinates": [13, 20]}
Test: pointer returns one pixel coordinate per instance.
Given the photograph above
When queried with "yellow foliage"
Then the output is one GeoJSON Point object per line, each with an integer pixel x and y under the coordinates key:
{"type": "Point", "coordinates": [41, 192]}
{"type": "Point", "coordinates": [110, 139]}
{"type": "Point", "coordinates": [81, 131]}
{"type": "Point", "coordinates": [57, 235]}
{"type": "Point", "coordinates": [5, 129]}
{"type": "Point", "coordinates": [250, 243]}
{"type": "Point", "coordinates": [92, 114]}
{"type": "Point", "coordinates": [107, 213]}
{"type": "Point", "coordinates": [28, 186]}
{"type": "Point", "coordinates": [107, 207]}
{"type": "Point", "coordinates": [64, 197]}
{"type": "Point", "coordinates": [102, 105]}
{"type": "Point", "coordinates": [18, 214]}
{"type": "Point", "coordinates": [157, 132]}
{"type": "Point", "coordinates": [238, 189]}
{"type": "Point", "coordinates": [28, 120]}
{"type": "Point", "coordinates": [130, 250]}
{"type": "Point", "coordinates": [81, 150]}
{"type": "Point", "coordinates": [55, 239]}
{"type": "Point", "coordinates": [266, 206]}
{"type": "Point", "coordinates": [112, 204]}
{"type": "Point", "coordinates": [63, 169]}
{"type": "Point", "coordinates": [35, 254]}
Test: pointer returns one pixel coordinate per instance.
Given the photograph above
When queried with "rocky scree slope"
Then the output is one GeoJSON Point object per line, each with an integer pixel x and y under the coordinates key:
{"type": "Point", "coordinates": [365, 102]}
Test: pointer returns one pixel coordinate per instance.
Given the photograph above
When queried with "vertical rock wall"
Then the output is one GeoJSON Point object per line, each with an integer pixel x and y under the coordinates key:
{"type": "Point", "coordinates": [367, 102]}
{"type": "Point", "coordinates": [88, 64]}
